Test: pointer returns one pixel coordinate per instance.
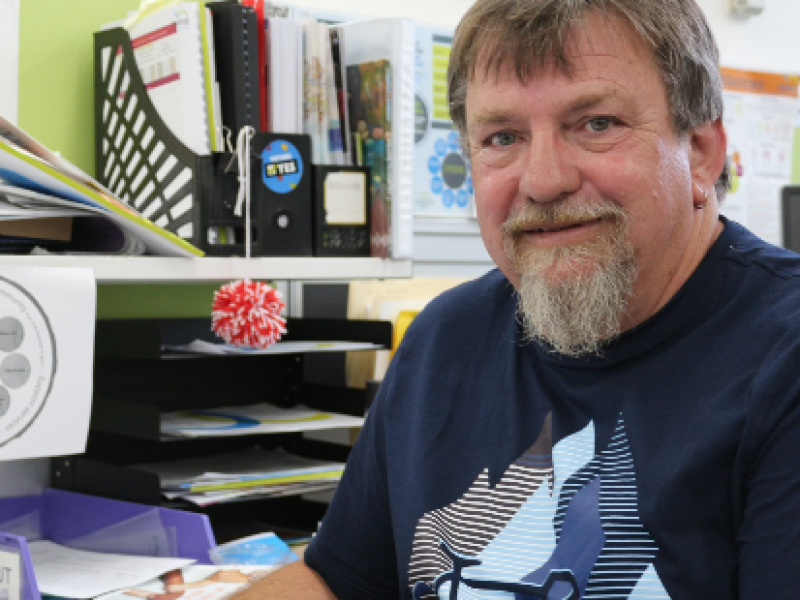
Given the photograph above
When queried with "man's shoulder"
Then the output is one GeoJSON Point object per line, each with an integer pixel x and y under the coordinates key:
{"type": "Point", "coordinates": [747, 249]}
{"type": "Point", "coordinates": [764, 290]}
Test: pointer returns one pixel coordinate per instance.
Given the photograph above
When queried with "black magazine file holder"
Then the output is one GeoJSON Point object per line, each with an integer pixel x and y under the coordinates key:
{"type": "Point", "coordinates": [142, 161]}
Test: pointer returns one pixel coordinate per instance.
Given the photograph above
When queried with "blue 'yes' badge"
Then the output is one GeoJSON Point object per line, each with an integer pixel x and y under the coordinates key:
{"type": "Point", "coordinates": [281, 167]}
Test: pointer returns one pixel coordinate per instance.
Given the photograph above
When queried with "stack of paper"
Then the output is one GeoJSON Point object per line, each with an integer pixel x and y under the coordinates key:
{"type": "Point", "coordinates": [249, 420]}
{"type": "Point", "coordinates": [38, 183]}
{"type": "Point", "coordinates": [241, 475]}
{"type": "Point", "coordinates": [203, 347]}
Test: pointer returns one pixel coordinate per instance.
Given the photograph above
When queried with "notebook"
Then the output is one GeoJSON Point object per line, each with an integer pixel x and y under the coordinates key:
{"type": "Point", "coordinates": [175, 59]}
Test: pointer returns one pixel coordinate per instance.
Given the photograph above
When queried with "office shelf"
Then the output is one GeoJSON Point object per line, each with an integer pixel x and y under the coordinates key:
{"type": "Point", "coordinates": [134, 384]}
{"type": "Point", "coordinates": [155, 269]}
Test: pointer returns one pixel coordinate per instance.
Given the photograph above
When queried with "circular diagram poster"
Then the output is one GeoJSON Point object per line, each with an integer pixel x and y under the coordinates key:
{"type": "Point", "coordinates": [27, 360]}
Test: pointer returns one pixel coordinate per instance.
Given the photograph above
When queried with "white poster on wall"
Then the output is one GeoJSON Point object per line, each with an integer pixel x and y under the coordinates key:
{"type": "Point", "coordinates": [47, 320]}
{"type": "Point", "coordinates": [9, 59]}
{"type": "Point", "coordinates": [442, 180]}
{"type": "Point", "coordinates": [760, 115]}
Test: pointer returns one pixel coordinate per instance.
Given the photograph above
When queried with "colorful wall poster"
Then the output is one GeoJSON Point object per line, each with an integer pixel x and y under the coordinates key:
{"type": "Point", "coordinates": [442, 182]}
{"type": "Point", "coordinates": [760, 114]}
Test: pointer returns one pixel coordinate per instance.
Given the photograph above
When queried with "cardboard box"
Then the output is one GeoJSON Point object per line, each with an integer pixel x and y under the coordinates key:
{"type": "Point", "coordinates": [50, 228]}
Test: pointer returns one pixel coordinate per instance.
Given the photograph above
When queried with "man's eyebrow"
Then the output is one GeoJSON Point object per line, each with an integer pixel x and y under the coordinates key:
{"type": "Point", "coordinates": [491, 116]}
{"type": "Point", "coordinates": [590, 101]}
{"type": "Point", "coordinates": [495, 116]}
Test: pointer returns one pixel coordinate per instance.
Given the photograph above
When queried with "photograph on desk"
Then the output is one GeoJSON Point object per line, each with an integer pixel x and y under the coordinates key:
{"type": "Point", "coordinates": [49, 205]}
{"type": "Point", "coordinates": [196, 582]}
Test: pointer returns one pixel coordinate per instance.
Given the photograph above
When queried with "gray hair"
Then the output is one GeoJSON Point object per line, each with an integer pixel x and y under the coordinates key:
{"type": "Point", "coordinates": [527, 35]}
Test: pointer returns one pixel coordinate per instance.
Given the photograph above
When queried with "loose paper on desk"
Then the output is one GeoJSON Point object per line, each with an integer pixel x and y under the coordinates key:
{"type": "Point", "coordinates": [69, 573]}
{"type": "Point", "coordinates": [47, 318]}
{"type": "Point", "coordinates": [196, 582]}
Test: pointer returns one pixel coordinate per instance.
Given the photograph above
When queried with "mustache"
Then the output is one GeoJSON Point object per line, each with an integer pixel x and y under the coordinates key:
{"type": "Point", "coordinates": [560, 213]}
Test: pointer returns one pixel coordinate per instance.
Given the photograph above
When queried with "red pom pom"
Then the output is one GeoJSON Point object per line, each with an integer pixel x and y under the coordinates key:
{"type": "Point", "coordinates": [247, 313]}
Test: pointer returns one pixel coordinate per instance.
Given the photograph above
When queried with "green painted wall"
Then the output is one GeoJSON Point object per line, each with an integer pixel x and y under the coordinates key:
{"type": "Point", "coordinates": [56, 72]}
{"type": "Point", "coordinates": [155, 301]}
{"type": "Point", "coordinates": [56, 91]}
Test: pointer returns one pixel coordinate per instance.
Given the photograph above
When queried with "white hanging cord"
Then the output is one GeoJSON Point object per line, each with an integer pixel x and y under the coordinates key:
{"type": "Point", "coordinates": [227, 133]}
{"type": "Point", "coordinates": [243, 197]}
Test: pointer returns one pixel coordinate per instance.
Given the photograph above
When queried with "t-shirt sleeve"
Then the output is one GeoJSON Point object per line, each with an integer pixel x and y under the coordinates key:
{"type": "Point", "coordinates": [354, 548]}
{"type": "Point", "coordinates": [769, 535]}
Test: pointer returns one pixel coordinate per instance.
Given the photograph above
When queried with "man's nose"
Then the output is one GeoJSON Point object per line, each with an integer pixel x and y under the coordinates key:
{"type": "Point", "coordinates": [549, 169]}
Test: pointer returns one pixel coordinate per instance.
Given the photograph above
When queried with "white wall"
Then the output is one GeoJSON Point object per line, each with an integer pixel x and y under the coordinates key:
{"type": "Point", "coordinates": [433, 12]}
{"type": "Point", "coordinates": [766, 42]}
{"type": "Point", "coordinates": [9, 58]}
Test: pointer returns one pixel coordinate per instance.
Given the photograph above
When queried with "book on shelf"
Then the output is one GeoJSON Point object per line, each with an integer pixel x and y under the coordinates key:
{"type": "Point", "coordinates": [263, 60]}
{"type": "Point", "coordinates": [285, 82]}
{"type": "Point", "coordinates": [320, 103]}
{"type": "Point", "coordinates": [236, 47]}
{"type": "Point", "coordinates": [387, 46]}
{"type": "Point", "coordinates": [340, 81]}
{"type": "Point", "coordinates": [39, 184]}
{"type": "Point", "coordinates": [369, 86]}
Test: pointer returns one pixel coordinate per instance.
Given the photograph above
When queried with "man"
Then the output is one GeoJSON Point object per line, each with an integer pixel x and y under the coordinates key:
{"type": "Point", "coordinates": [614, 412]}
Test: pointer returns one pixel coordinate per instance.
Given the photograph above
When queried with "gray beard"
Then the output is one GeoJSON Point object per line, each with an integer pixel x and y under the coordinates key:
{"type": "Point", "coordinates": [576, 314]}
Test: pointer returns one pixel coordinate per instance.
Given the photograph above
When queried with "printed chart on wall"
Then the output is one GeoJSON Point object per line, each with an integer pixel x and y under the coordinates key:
{"type": "Point", "coordinates": [442, 183]}
{"type": "Point", "coordinates": [46, 360]}
{"type": "Point", "coordinates": [760, 114]}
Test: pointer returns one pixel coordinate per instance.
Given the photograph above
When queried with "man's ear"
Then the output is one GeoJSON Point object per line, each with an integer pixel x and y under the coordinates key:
{"type": "Point", "coordinates": [709, 146]}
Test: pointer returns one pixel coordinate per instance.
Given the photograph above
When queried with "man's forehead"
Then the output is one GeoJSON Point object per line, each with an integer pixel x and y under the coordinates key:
{"type": "Point", "coordinates": [595, 39]}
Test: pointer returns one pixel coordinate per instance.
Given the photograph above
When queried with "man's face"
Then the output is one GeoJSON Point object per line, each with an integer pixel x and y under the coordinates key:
{"type": "Point", "coordinates": [576, 175]}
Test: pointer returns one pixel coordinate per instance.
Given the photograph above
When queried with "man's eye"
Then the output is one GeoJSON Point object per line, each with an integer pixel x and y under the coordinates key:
{"type": "Point", "coordinates": [503, 138]}
{"type": "Point", "coordinates": [599, 124]}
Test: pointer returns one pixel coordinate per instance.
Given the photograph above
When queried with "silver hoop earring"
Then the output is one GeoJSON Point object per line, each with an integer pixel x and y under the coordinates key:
{"type": "Point", "coordinates": [702, 204]}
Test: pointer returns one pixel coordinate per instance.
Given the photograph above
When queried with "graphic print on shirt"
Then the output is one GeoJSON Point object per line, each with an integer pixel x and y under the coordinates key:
{"type": "Point", "coordinates": [562, 523]}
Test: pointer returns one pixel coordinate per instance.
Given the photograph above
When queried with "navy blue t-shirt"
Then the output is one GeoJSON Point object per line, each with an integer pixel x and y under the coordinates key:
{"type": "Point", "coordinates": [668, 467]}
